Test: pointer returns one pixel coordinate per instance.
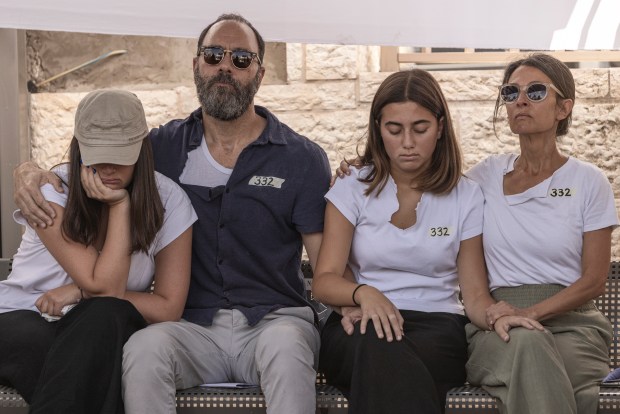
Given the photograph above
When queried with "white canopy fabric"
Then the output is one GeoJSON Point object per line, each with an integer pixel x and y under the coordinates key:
{"type": "Point", "coordinates": [524, 24]}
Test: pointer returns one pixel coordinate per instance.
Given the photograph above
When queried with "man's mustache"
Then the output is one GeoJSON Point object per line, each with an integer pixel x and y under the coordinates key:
{"type": "Point", "coordinates": [223, 78]}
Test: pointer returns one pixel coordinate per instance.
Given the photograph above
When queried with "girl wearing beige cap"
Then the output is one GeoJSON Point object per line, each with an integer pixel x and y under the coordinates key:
{"type": "Point", "coordinates": [80, 287]}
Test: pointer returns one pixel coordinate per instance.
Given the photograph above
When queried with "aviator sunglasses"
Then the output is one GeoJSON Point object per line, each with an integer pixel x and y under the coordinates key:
{"type": "Point", "coordinates": [241, 59]}
{"type": "Point", "coordinates": [535, 92]}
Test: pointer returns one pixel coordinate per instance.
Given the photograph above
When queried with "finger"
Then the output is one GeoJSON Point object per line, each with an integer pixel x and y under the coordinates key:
{"type": "Point", "coordinates": [57, 183]}
{"type": "Point", "coordinates": [48, 211]}
{"type": "Point", "coordinates": [527, 325]}
{"type": "Point", "coordinates": [378, 326]}
{"type": "Point", "coordinates": [33, 206]}
{"type": "Point", "coordinates": [38, 302]}
{"type": "Point", "coordinates": [502, 332]}
{"type": "Point", "coordinates": [34, 220]}
{"type": "Point", "coordinates": [99, 185]}
{"type": "Point", "coordinates": [89, 177]}
{"type": "Point", "coordinates": [31, 209]}
{"type": "Point", "coordinates": [347, 325]}
{"type": "Point", "coordinates": [396, 326]}
{"type": "Point", "coordinates": [490, 319]}
{"type": "Point", "coordinates": [493, 314]}
{"type": "Point", "coordinates": [363, 324]}
{"type": "Point", "coordinates": [386, 327]}
{"type": "Point", "coordinates": [58, 309]}
{"type": "Point", "coordinates": [44, 307]}
{"type": "Point", "coordinates": [41, 207]}
{"type": "Point", "coordinates": [533, 325]}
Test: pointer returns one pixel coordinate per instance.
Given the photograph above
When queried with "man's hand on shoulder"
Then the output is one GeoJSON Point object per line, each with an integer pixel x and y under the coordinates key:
{"type": "Point", "coordinates": [345, 169]}
{"type": "Point", "coordinates": [27, 181]}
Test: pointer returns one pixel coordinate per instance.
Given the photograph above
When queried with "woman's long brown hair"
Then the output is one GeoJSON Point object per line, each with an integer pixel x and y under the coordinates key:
{"type": "Point", "coordinates": [82, 214]}
{"type": "Point", "coordinates": [417, 86]}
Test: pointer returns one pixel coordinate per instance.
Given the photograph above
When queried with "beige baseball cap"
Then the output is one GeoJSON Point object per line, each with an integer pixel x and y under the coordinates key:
{"type": "Point", "coordinates": [109, 126]}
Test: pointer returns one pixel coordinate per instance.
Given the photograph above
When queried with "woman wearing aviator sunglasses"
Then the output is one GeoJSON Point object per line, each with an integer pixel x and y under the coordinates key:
{"type": "Point", "coordinates": [547, 229]}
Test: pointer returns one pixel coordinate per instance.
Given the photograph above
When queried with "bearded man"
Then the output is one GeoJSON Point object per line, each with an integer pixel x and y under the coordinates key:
{"type": "Point", "coordinates": [257, 187]}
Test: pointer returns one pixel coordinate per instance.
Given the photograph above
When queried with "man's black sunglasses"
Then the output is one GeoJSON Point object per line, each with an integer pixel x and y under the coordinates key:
{"type": "Point", "coordinates": [241, 59]}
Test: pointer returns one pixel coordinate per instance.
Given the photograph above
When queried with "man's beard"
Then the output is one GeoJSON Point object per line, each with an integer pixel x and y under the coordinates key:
{"type": "Point", "coordinates": [221, 102]}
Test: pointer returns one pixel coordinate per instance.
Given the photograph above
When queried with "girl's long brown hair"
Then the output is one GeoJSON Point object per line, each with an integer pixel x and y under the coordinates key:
{"type": "Point", "coordinates": [417, 86]}
{"type": "Point", "coordinates": [82, 214]}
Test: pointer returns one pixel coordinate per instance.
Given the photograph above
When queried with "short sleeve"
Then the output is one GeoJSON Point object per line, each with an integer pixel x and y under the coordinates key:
{"type": "Point", "coordinates": [347, 195]}
{"type": "Point", "coordinates": [472, 204]}
{"type": "Point", "coordinates": [483, 171]}
{"type": "Point", "coordinates": [309, 210]}
{"type": "Point", "coordinates": [599, 205]}
{"type": "Point", "coordinates": [179, 214]}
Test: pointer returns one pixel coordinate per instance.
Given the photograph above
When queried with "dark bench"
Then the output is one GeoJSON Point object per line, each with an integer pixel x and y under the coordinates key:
{"type": "Point", "coordinates": [212, 400]}
{"type": "Point", "coordinates": [464, 400]}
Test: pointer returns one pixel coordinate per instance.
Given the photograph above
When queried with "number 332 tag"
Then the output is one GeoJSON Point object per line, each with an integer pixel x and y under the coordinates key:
{"type": "Point", "coordinates": [262, 181]}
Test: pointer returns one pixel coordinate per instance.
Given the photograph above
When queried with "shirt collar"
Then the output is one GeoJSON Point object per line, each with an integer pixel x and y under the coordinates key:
{"type": "Point", "coordinates": [273, 133]}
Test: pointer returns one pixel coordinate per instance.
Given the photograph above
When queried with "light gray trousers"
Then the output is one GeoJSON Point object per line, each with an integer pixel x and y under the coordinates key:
{"type": "Point", "coordinates": [556, 371]}
{"type": "Point", "coordinates": [280, 353]}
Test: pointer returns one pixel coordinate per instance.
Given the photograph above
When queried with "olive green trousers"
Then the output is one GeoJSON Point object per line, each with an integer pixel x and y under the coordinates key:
{"type": "Point", "coordinates": [555, 371]}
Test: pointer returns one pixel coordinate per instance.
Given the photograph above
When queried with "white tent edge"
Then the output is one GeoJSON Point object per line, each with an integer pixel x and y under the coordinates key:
{"type": "Point", "coordinates": [496, 24]}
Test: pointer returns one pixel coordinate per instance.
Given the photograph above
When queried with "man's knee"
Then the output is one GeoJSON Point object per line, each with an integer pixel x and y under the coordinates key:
{"type": "Point", "coordinates": [282, 338]}
{"type": "Point", "coordinates": [287, 343]}
{"type": "Point", "coordinates": [148, 348]}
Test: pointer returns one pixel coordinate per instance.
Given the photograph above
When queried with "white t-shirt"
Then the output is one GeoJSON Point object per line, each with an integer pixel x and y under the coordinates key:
{"type": "Point", "coordinates": [201, 169]}
{"type": "Point", "coordinates": [416, 267]}
{"type": "Point", "coordinates": [536, 237]}
{"type": "Point", "coordinates": [35, 271]}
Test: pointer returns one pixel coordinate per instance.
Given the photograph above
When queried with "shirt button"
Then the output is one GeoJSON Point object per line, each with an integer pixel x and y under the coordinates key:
{"type": "Point", "coordinates": [221, 226]}
{"type": "Point", "coordinates": [220, 261]}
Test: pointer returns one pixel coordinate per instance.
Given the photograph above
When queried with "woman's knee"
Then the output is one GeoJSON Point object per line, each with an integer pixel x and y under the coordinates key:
{"type": "Point", "coordinates": [530, 339]}
{"type": "Point", "coordinates": [103, 317]}
{"type": "Point", "coordinates": [108, 308]}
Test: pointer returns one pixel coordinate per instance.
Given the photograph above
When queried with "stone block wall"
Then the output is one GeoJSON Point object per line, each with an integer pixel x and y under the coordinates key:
{"type": "Point", "coordinates": [328, 95]}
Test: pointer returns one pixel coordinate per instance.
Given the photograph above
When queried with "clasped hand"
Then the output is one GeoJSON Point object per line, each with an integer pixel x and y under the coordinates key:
{"type": "Point", "coordinates": [52, 301]}
{"type": "Point", "coordinates": [502, 317]}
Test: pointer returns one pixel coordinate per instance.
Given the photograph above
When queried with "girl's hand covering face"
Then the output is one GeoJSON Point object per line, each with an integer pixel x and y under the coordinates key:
{"type": "Point", "coordinates": [96, 189]}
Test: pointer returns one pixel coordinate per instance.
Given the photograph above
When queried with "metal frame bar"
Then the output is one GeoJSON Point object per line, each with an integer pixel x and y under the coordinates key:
{"type": "Point", "coordinates": [14, 137]}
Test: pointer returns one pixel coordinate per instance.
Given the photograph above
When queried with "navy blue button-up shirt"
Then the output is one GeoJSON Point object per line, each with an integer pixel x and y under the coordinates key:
{"type": "Point", "coordinates": [247, 243]}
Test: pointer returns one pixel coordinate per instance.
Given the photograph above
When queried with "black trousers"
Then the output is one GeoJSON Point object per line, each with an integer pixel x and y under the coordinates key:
{"type": "Point", "coordinates": [408, 376]}
{"type": "Point", "coordinates": [74, 365]}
